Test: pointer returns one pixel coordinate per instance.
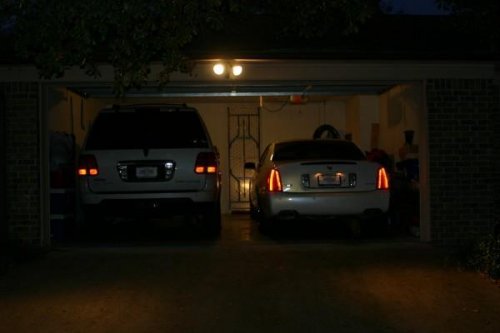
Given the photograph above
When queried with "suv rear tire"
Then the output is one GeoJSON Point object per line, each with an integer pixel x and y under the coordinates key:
{"type": "Point", "coordinates": [211, 222]}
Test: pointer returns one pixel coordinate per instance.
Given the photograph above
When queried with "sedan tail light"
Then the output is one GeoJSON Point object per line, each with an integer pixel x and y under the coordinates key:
{"type": "Point", "coordinates": [87, 166]}
{"type": "Point", "coordinates": [382, 180]}
{"type": "Point", "coordinates": [274, 181]}
{"type": "Point", "coordinates": [206, 163]}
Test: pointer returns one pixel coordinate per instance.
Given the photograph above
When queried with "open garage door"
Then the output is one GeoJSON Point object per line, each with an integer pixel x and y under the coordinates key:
{"type": "Point", "coordinates": [373, 114]}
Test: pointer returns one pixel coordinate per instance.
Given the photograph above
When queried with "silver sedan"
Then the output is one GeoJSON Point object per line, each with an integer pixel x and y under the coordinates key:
{"type": "Point", "coordinates": [322, 178]}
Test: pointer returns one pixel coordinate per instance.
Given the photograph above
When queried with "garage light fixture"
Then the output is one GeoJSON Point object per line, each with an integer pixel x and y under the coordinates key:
{"type": "Point", "coordinates": [237, 70]}
{"type": "Point", "coordinates": [219, 69]}
{"type": "Point", "coordinates": [230, 70]}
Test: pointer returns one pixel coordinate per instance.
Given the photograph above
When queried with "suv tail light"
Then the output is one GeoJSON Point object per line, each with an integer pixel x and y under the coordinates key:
{"type": "Point", "coordinates": [206, 163]}
{"type": "Point", "coordinates": [274, 181]}
{"type": "Point", "coordinates": [382, 180]}
{"type": "Point", "coordinates": [87, 166]}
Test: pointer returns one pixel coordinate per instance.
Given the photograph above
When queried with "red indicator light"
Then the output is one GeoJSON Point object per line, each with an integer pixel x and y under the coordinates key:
{"type": "Point", "coordinates": [274, 181]}
{"type": "Point", "coordinates": [206, 163]}
{"type": "Point", "coordinates": [87, 166]}
{"type": "Point", "coordinates": [382, 180]}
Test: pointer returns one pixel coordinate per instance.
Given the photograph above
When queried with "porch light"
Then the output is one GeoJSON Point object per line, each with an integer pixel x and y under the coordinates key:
{"type": "Point", "coordinates": [230, 70]}
{"type": "Point", "coordinates": [219, 69]}
{"type": "Point", "coordinates": [237, 70]}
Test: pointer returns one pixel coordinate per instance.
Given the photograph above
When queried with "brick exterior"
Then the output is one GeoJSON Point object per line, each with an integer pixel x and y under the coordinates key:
{"type": "Point", "coordinates": [21, 101]}
{"type": "Point", "coordinates": [463, 148]}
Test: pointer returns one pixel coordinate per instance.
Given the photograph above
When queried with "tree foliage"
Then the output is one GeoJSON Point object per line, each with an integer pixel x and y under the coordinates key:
{"type": "Point", "coordinates": [130, 35]}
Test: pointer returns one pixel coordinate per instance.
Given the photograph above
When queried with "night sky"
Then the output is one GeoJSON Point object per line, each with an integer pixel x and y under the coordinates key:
{"type": "Point", "coordinates": [414, 7]}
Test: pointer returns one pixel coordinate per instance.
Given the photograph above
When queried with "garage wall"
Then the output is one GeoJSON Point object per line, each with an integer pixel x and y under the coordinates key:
{"type": "Point", "coordinates": [70, 113]}
{"type": "Point", "coordinates": [352, 118]}
{"type": "Point", "coordinates": [290, 121]}
{"type": "Point", "coordinates": [215, 117]}
{"type": "Point", "coordinates": [400, 110]}
{"type": "Point", "coordinates": [362, 115]}
{"type": "Point", "coordinates": [369, 120]}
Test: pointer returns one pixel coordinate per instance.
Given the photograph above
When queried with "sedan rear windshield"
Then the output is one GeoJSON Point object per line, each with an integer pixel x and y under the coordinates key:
{"type": "Point", "coordinates": [147, 129]}
{"type": "Point", "coordinates": [320, 149]}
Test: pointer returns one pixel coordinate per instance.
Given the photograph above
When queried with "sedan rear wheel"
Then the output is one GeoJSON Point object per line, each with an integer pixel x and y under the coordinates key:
{"type": "Point", "coordinates": [254, 213]}
{"type": "Point", "coordinates": [267, 226]}
{"type": "Point", "coordinates": [355, 227]}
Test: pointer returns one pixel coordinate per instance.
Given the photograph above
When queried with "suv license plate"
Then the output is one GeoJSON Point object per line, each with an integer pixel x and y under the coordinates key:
{"type": "Point", "coordinates": [329, 179]}
{"type": "Point", "coordinates": [146, 172]}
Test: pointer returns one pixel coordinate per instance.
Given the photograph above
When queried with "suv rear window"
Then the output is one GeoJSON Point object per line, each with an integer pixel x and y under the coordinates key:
{"type": "Point", "coordinates": [152, 129]}
{"type": "Point", "coordinates": [320, 149]}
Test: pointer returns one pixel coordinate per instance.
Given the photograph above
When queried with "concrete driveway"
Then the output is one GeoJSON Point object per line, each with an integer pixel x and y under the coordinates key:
{"type": "Point", "coordinates": [247, 282]}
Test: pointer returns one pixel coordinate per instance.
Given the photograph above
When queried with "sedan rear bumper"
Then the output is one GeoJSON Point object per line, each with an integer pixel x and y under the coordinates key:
{"type": "Point", "coordinates": [286, 205]}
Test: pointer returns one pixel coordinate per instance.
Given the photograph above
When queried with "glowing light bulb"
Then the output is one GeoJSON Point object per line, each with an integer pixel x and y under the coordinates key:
{"type": "Point", "coordinates": [219, 69]}
{"type": "Point", "coordinates": [237, 70]}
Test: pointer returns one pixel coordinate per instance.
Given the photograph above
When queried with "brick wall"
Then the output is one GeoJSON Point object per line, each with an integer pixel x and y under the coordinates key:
{"type": "Point", "coordinates": [496, 157]}
{"type": "Point", "coordinates": [22, 202]}
{"type": "Point", "coordinates": [3, 167]}
{"type": "Point", "coordinates": [463, 146]}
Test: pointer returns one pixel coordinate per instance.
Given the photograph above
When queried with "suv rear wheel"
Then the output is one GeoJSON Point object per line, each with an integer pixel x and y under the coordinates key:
{"type": "Point", "coordinates": [211, 220]}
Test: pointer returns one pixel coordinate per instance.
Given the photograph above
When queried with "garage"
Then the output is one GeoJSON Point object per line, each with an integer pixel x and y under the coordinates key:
{"type": "Point", "coordinates": [270, 101]}
{"type": "Point", "coordinates": [442, 90]}
{"type": "Point", "coordinates": [451, 104]}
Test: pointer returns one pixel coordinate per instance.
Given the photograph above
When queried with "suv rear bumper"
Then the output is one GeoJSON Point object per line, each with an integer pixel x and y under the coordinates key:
{"type": "Point", "coordinates": [285, 204]}
{"type": "Point", "coordinates": [93, 198]}
{"type": "Point", "coordinates": [148, 207]}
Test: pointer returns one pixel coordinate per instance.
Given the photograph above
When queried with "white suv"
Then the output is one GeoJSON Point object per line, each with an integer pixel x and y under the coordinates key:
{"type": "Point", "coordinates": [150, 159]}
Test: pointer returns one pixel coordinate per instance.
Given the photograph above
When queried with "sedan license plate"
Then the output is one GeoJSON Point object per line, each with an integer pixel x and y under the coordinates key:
{"type": "Point", "coordinates": [329, 179]}
{"type": "Point", "coordinates": [146, 172]}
